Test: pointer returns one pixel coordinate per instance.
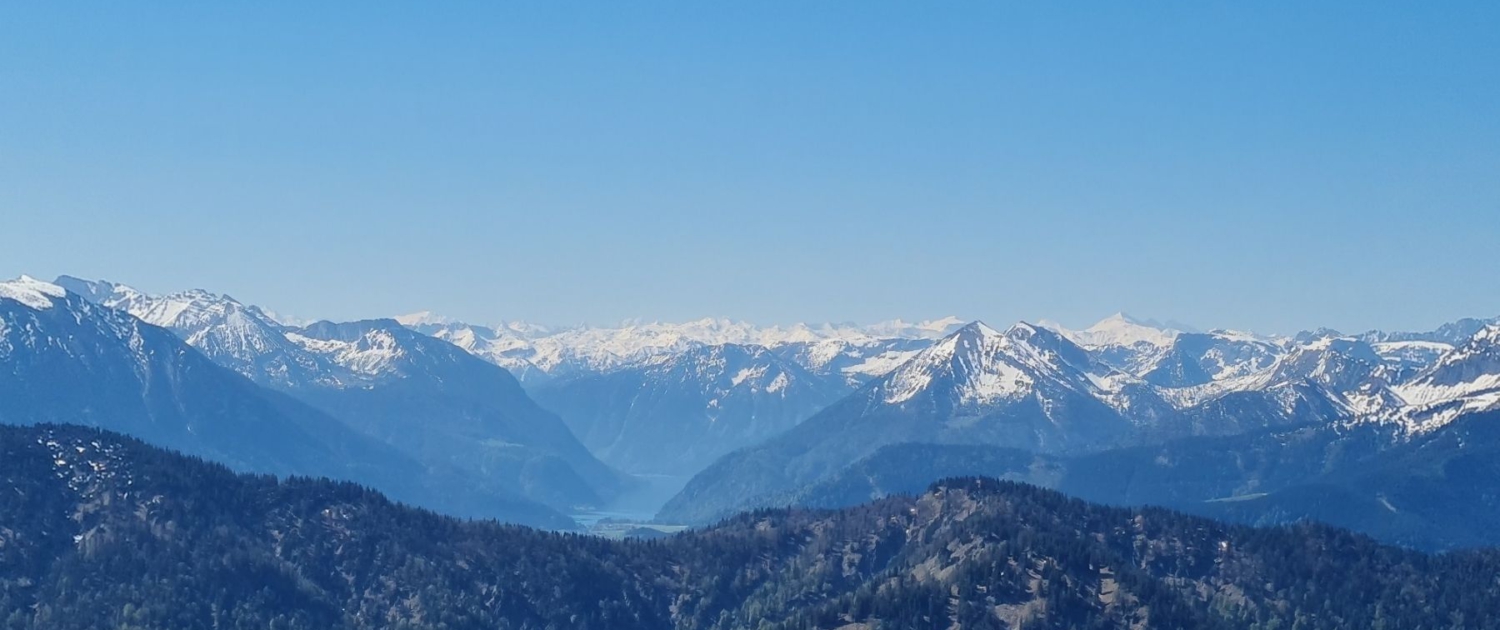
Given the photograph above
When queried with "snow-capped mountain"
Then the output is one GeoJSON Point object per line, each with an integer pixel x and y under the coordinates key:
{"type": "Point", "coordinates": [427, 397]}
{"type": "Point", "coordinates": [1410, 352]}
{"type": "Point", "coordinates": [237, 336]}
{"type": "Point", "coordinates": [898, 329]}
{"type": "Point", "coordinates": [697, 386]}
{"type": "Point", "coordinates": [1122, 341]}
{"type": "Point", "coordinates": [1026, 387]}
{"type": "Point", "coordinates": [852, 361]}
{"type": "Point", "coordinates": [1465, 380]}
{"type": "Point", "coordinates": [979, 366]}
{"type": "Point", "coordinates": [1200, 358]}
{"type": "Point", "coordinates": [508, 345]}
{"type": "Point", "coordinates": [1120, 329]}
{"type": "Point", "coordinates": [69, 360]}
{"type": "Point", "coordinates": [1030, 388]}
{"type": "Point", "coordinates": [1451, 334]}
{"type": "Point", "coordinates": [535, 353]}
{"type": "Point", "coordinates": [1173, 355]}
{"type": "Point", "coordinates": [32, 293]}
{"type": "Point", "coordinates": [1317, 380]}
{"type": "Point", "coordinates": [66, 359]}
{"type": "Point", "coordinates": [1415, 383]}
{"type": "Point", "coordinates": [1348, 370]}
{"type": "Point", "coordinates": [1033, 388]}
{"type": "Point", "coordinates": [1407, 358]}
{"type": "Point", "coordinates": [678, 413]}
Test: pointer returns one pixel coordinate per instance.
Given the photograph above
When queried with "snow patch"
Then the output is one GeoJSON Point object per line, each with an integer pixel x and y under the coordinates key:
{"type": "Point", "coordinates": [1119, 330]}
{"type": "Point", "coordinates": [31, 292]}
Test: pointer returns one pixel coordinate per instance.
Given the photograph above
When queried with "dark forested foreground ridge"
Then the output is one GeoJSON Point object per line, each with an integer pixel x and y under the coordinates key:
{"type": "Point", "coordinates": [102, 531]}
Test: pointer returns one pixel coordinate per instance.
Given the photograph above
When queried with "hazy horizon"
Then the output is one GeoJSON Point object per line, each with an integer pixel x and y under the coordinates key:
{"type": "Point", "coordinates": [431, 317]}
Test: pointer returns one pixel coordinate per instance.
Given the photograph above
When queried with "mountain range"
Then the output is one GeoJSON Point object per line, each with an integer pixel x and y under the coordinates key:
{"type": "Point", "coordinates": [533, 352]}
{"type": "Point", "coordinates": [424, 397]}
{"type": "Point", "coordinates": [1041, 391]}
{"type": "Point", "coordinates": [66, 359]}
{"type": "Point", "coordinates": [739, 416]}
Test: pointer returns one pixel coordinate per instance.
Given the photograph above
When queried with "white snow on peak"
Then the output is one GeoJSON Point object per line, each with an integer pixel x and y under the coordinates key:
{"type": "Point", "coordinates": [188, 310]}
{"type": "Point", "coordinates": [375, 353]}
{"type": "Point", "coordinates": [1018, 329]}
{"type": "Point", "coordinates": [982, 366]}
{"type": "Point", "coordinates": [1123, 330]}
{"type": "Point", "coordinates": [1247, 337]}
{"type": "Point", "coordinates": [976, 328]}
{"type": "Point", "coordinates": [247, 340]}
{"type": "Point", "coordinates": [524, 329]}
{"type": "Point", "coordinates": [527, 347]}
{"type": "Point", "coordinates": [423, 318]}
{"type": "Point", "coordinates": [31, 292]}
{"type": "Point", "coordinates": [1470, 370]}
{"type": "Point", "coordinates": [1392, 347]}
{"type": "Point", "coordinates": [929, 329]}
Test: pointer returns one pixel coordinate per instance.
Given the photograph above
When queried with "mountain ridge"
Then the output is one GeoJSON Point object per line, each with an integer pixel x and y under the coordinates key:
{"type": "Point", "coordinates": [427, 398]}
{"type": "Point", "coordinates": [1051, 396]}
{"type": "Point", "coordinates": [175, 538]}
{"type": "Point", "coordinates": [75, 361]}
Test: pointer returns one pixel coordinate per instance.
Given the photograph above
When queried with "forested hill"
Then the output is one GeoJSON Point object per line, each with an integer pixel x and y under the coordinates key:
{"type": "Point", "coordinates": [102, 531]}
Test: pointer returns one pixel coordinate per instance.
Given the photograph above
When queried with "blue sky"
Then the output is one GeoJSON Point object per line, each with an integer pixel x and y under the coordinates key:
{"type": "Point", "coordinates": [1269, 166]}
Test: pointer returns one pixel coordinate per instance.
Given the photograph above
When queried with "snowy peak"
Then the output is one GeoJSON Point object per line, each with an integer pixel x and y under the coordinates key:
{"type": "Point", "coordinates": [96, 291]}
{"type": "Point", "coordinates": [1122, 341]}
{"type": "Point", "coordinates": [1346, 368]}
{"type": "Point", "coordinates": [538, 353]}
{"type": "Point", "coordinates": [423, 318]}
{"type": "Point", "coordinates": [41, 319]}
{"type": "Point", "coordinates": [1453, 333]}
{"type": "Point", "coordinates": [972, 364]}
{"type": "Point", "coordinates": [929, 329]}
{"type": "Point", "coordinates": [237, 336]}
{"type": "Point", "coordinates": [506, 345]}
{"type": "Point", "coordinates": [978, 330]}
{"type": "Point", "coordinates": [1411, 356]}
{"type": "Point", "coordinates": [852, 362]}
{"type": "Point", "coordinates": [1463, 381]}
{"type": "Point", "coordinates": [978, 366]}
{"type": "Point", "coordinates": [1119, 330]}
{"type": "Point", "coordinates": [1343, 371]}
{"type": "Point", "coordinates": [723, 369]}
{"type": "Point", "coordinates": [1201, 358]}
{"type": "Point", "coordinates": [370, 349]}
{"type": "Point", "coordinates": [1472, 369]}
{"type": "Point", "coordinates": [1123, 330]}
{"type": "Point", "coordinates": [247, 340]}
{"type": "Point", "coordinates": [1329, 360]}
{"type": "Point", "coordinates": [31, 292]}
{"type": "Point", "coordinates": [186, 312]}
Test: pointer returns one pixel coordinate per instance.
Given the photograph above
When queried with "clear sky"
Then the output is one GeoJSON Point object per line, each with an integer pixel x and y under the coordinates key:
{"type": "Point", "coordinates": [1259, 165]}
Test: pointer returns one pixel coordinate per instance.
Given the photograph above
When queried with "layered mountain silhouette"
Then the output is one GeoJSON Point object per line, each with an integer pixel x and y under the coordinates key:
{"type": "Point", "coordinates": [425, 397]}
{"type": "Point", "coordinates": [69, 360]}
{"type": "Point", "coordinates": [101, 530]}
